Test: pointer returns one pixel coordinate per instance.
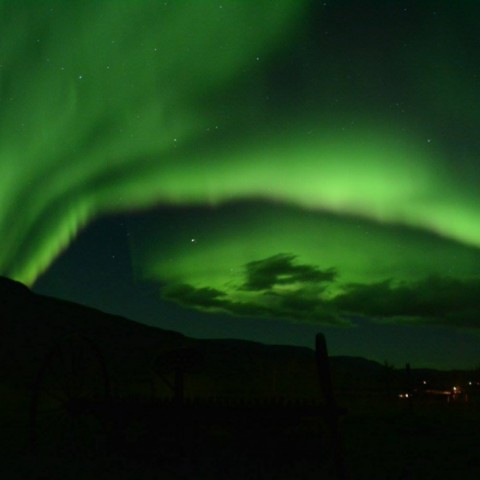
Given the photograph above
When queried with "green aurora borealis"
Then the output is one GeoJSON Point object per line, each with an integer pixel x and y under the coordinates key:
{"type": "Point", "coordinates": [316, 162]}
{"type": "Point", "coordinates": [98, 100]}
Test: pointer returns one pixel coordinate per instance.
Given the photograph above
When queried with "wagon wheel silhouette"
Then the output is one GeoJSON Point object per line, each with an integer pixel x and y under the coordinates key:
{"type": "Point", "coordinates": [172, 365]}
{"type": "Point", "coordinates": [70, 399]}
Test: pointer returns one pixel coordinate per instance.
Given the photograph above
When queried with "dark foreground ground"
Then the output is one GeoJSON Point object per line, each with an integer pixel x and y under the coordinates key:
{"type": "Point", "coordinates": [382, 440]}
{"type": "Point", "coordinates": [431, 440]}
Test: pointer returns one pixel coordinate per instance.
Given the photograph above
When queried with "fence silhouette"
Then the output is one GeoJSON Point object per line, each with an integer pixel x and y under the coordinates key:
{"type": "Point", "coordinates": [267, 433]}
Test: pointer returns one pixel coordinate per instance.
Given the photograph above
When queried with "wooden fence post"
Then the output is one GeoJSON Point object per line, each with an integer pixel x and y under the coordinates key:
{"type": "Point", "coordinates": [333, 412]}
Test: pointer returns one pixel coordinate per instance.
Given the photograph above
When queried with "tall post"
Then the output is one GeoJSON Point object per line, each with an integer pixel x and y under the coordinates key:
{"type": "Point", "coordinates": [179, 386]}
{"type": "Point", "coordinates": [323, 369]}
{"type": "Point", "coordinates": [326, 386]}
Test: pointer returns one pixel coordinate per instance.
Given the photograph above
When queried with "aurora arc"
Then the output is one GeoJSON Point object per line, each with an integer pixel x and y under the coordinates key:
{"type": "Point", "coordinates": [107, 108]}
{"type": "Point", "coordinates": [97, 96]}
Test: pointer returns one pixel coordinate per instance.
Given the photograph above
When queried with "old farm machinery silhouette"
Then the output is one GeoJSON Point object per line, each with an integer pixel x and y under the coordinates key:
{"type": "Point", "coordinates": [76, 411]}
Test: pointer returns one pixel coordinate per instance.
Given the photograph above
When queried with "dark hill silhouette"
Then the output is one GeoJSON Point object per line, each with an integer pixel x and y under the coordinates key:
{"type": "Point", "coordinates": [31, 324]}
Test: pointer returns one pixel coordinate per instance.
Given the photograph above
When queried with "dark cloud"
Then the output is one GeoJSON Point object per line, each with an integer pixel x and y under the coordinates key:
{"type": "Point", "coordinates": [277, 287]}
{"type": "Point", "coordinates": [307, 306]}
{"type": "Point", "coordinates": [211, 299]}
{"type": "Point", "coordinates": [279, 270]}
{"type": "Point", "coordinates": [435, 299]}
{"type": "Point", "coordinates": [297, 306]}
{"type": "Point", "coordinates": [189, 296]}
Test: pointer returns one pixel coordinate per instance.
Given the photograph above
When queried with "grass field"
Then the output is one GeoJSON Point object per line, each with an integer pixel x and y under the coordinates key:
{"type": "Point", "coordinates": [382, 440]}
{"type": "Point", "coordinates": [425, 440]}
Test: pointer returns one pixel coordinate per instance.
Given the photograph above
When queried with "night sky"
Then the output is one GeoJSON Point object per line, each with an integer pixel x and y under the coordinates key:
{"type": "Point", "coordinates": [259, 169]}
